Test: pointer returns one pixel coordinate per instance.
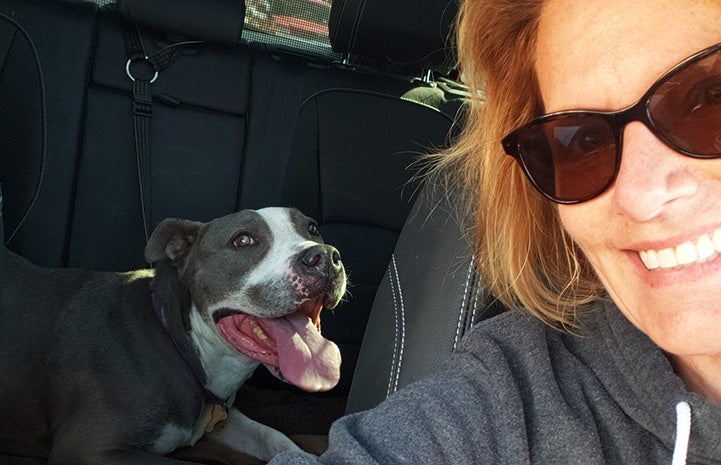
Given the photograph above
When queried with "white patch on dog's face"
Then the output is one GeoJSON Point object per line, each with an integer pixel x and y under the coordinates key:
{"type": "Point", "coordinates": [286, 244]}
{"type": "Point", "coordinates": [273, 273]}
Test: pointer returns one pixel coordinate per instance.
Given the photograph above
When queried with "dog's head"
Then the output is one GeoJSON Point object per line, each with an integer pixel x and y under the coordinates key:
{"type": "Point", "coordinates": [260, 279]}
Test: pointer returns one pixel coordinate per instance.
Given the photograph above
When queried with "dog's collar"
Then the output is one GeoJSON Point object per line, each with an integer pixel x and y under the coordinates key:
{"type": "Point", "coordinates": [187, 353]}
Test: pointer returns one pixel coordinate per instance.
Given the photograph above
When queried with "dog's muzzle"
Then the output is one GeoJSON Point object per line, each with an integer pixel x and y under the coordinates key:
{"type": "Point", "coordinates": [320, 271]}
{"type": "Point", "coordinates": [292, 346]}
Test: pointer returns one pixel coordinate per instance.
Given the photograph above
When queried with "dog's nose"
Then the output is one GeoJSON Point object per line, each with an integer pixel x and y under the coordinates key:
{"type": "Point", "coordinates": [320, 256]}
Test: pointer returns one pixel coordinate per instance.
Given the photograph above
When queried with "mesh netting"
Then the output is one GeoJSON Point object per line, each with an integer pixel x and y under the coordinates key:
{"type": "Point", "coordinates": [294, 23]}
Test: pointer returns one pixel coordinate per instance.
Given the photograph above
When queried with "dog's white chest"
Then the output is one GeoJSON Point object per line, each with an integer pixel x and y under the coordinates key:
{"type": "Point", "coordinates": [173, 436]}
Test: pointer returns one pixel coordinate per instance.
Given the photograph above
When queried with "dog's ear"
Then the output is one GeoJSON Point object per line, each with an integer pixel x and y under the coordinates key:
{"type": "Point", "coordinates": [171, 238]}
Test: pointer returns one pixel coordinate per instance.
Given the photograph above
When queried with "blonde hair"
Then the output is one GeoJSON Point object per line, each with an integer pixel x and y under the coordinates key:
{"type": "Point", "coordinates": [524, 256]}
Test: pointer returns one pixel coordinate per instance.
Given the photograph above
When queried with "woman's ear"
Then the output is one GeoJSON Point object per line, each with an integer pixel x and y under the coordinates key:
{"type": "Point", "coordinates": [171, 238]}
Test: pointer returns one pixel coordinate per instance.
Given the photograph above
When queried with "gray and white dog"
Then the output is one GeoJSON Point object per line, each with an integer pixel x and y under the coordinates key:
{"type": "Point", "coordinates": [122, 368]}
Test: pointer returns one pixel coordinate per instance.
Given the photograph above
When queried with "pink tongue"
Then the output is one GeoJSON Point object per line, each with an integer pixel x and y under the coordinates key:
{"type": "Point", "coordinates": [291, 347]}
{"type": "Point", "coordinates": [305, 358]}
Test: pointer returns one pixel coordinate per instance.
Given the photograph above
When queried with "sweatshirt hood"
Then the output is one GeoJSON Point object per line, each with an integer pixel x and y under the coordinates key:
{"type": "Point", "coordinates": [641, 380]}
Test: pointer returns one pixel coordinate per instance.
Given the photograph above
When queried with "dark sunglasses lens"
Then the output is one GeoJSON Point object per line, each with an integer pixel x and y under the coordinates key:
{"type": "Point", "coordinates": [570, 159]}
{"type": "Point", "coordinates": [686, 107]}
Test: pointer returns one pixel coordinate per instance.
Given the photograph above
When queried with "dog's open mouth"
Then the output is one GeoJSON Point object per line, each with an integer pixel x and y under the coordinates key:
{"type": "Point", "coordinates": [292, 346]}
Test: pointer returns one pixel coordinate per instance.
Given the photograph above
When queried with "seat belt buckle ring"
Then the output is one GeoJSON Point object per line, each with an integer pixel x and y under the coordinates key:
{"type": "Point", "coordinates": [140, 59]}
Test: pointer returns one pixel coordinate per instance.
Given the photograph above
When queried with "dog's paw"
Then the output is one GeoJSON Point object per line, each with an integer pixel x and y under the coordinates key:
{"type": "Point", "coordinates": [248, 436]}
{"type": "Point", "coordinates": [275, 445]}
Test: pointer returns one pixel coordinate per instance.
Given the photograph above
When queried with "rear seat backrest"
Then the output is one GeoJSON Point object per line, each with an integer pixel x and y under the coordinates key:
{"type": "Point", "coordinates": [88, 211]}
{"type": "Point", "coordinates": [63, 37]}
{"type": "Point", "coordinates": [197, 139]}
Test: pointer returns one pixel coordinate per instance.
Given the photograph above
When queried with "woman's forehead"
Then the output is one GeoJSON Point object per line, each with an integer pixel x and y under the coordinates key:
{"type": "Point", "coordinates": [604, 54]}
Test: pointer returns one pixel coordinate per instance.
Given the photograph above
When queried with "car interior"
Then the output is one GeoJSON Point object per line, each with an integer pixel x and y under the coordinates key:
{"type": "Point", "coordinates": [115, 115]}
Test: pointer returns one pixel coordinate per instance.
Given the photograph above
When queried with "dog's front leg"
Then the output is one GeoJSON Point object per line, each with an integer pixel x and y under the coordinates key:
{"type": "Point", "coordinates": [242, 434]}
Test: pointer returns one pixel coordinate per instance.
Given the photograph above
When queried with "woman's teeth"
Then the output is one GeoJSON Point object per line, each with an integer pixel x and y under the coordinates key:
{"type": "Point", "coordinates": [703, 249]}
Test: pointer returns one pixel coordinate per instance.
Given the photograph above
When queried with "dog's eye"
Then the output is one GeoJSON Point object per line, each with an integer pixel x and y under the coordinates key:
{"type": "Point", "coordinates": [243, 240]}
{"type": "Point", "coordinates": [313, 229]}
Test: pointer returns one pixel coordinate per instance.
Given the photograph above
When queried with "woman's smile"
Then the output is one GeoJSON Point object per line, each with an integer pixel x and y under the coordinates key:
{"type": "Point", "coordinates": [704, 248]}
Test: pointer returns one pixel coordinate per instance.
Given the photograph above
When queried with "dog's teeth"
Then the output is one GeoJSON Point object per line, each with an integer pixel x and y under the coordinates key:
{"type": "Point", "coordinates": [260, 333]}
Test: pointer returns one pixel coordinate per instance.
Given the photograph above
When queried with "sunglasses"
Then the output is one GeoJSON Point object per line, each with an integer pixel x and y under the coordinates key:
{"type": "Point", "coordinates": [574, 156]}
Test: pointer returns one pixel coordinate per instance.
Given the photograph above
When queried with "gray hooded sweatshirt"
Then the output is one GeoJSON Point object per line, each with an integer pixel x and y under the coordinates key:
{"type": "Point", "coordinates": [519, 392]}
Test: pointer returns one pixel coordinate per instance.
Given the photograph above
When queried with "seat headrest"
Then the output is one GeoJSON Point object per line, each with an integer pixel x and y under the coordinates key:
{"type": "Point", "coordinates": [414, 33]}
{"type": "Point", "coordinates": [219, 21]}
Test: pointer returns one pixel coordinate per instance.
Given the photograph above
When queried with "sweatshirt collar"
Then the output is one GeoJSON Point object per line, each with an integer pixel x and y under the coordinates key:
{"type": "Point", "coordinates": [641, 380]}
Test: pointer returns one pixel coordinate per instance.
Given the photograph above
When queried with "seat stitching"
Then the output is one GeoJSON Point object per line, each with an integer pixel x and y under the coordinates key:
{"type": "Point", "coordinates": [403, 324]}
{"type": "Point", "coordinates": [395, 338]}
{"type": "Point", "coordinates": [475, 306]}
{"type": "Point", "coordinates": [43, 126]}
{"type": "Point", "coordinates": [463, 305]}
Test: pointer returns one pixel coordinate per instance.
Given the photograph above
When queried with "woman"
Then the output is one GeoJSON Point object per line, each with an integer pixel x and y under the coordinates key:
{"type": "Point", "coordinates": [609, 238]}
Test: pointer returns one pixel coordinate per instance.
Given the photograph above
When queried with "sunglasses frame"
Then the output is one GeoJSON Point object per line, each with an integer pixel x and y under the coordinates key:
{"type": "Point", "coordinates": [617, 120]}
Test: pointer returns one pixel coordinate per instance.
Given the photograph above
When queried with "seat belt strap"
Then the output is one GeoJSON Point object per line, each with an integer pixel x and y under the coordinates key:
{"type": "Point", "coordinates": [142, 114]}
{"type": "Point", "coordinates": [143, 109]}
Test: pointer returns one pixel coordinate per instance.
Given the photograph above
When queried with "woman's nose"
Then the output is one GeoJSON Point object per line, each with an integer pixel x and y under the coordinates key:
{"type": "Point", "coordinates": [653, 177]}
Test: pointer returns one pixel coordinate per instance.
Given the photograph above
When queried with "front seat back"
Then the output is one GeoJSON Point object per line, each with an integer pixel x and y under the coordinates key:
{"type": "Point", "coordinates": [429, 298]}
